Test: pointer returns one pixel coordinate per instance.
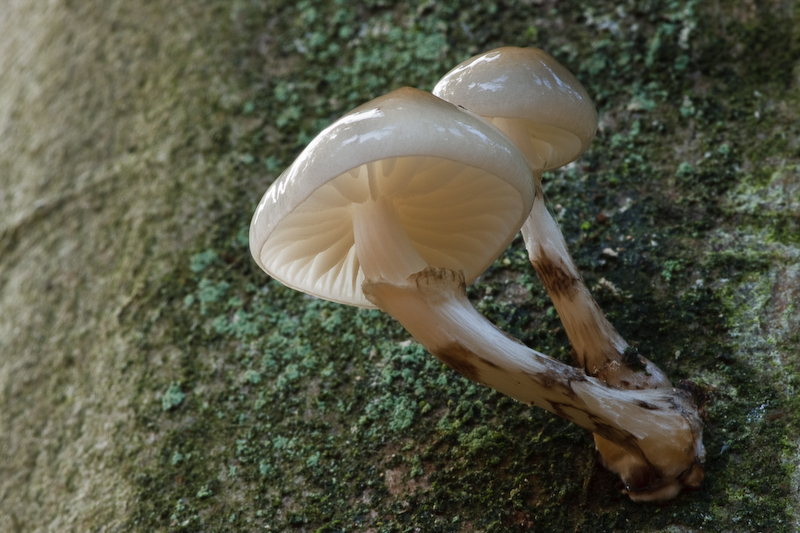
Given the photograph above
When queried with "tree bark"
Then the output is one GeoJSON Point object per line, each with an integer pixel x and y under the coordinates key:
{"type": "Point", "coordinates": [151, 378]}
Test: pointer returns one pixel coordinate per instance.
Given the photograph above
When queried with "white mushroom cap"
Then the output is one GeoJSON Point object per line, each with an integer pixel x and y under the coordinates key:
{"type": "Point", "coordinates": [459, 187]}
{"type": "Point", "coordinates": [526, 89]}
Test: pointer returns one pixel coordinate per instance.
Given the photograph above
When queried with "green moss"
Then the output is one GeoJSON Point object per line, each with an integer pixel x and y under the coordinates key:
{"type": "Point", "coordinates": [172, 398]}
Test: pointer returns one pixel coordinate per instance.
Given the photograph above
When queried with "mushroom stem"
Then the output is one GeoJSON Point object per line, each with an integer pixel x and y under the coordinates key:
{"type": "Point", "coordinates": [657, 431]}
{"type": "Point", "coordinates": [651, 438]}
{"type": "Point", "coordinates": [598, 347]}
{"type": "Point", "coordinates": [383, 247]}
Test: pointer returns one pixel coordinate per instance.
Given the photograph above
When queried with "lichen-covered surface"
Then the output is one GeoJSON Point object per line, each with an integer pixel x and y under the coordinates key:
{"type": "Point", "coordinates": [152, 378]}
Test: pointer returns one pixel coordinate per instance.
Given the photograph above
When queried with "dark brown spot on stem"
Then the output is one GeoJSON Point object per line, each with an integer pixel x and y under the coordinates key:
{"type": "Point", "coordinates": [634, 361]}
{"type": "Point", "coordinates": [557, 280]}
{"type": "Point", "coordinates": [561, 384]}
{"type": "Point", "coordinates": [462, 360]}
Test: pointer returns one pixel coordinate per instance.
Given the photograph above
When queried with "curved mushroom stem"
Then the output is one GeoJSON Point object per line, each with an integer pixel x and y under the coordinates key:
{"type": "Point", "coordinates": [657, 430]}
{"type": "Point", "coordinates": [651, 438]}
{"type": "Point", "coordinates": [598, 348]}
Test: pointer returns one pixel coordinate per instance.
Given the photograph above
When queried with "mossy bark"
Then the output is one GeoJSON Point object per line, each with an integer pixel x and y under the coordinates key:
{"type": "Point", "coordinates": [152, 378]}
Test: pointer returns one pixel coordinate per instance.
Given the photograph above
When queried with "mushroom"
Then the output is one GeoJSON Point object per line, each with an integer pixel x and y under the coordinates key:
{"type": "Point", "coordinates": [402, 202]}
{"type": "Point", "coordinates": [396, 185]}
{"type": "Point", "coordinates": [548, 114]}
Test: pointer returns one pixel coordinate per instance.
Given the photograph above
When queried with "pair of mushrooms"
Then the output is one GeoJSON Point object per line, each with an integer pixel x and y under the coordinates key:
{"type": "Point", "coordinates": [406, 199]}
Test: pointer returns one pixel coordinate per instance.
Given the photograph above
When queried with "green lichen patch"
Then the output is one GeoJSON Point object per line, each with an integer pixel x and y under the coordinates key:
{"type": "Point", "coordinates": [172, 398]}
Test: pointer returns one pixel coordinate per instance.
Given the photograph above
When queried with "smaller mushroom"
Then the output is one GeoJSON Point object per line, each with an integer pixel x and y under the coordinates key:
{"type": "Point", "coordinates": [398, 205]}
{"type": "Point", "coordinates": [548, 114]}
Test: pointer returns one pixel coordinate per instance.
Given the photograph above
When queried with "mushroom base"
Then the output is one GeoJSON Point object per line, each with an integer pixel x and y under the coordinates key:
{"type": "Point", "coordinates": [655, 435]}
{"type": "Point", "coordinates": [642, 482]}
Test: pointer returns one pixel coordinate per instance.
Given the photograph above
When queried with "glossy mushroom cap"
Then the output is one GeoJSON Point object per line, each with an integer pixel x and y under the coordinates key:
{"type": "Point", "coordinates": [460, 189]}
{"type": "Point", "coordinates": [529, 95]}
